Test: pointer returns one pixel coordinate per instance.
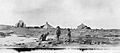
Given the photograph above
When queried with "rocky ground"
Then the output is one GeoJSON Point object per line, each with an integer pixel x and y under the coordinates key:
{"type": "Point", "coordinates": [29, 38]}
{"type": "Point", "coordinates": [22, 42]}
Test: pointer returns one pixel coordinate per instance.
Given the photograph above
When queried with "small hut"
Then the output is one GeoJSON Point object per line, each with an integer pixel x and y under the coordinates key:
{"type": "Point", "coordinates": [20, 24]}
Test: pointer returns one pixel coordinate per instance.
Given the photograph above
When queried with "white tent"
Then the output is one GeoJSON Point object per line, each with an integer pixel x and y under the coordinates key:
{"type": "Point", "coordinates": [81, 26]}
{"type": "Point", "coordinates": [47, 26]}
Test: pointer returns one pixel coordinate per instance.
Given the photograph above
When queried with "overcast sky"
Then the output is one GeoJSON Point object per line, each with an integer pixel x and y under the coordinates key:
{"type": "Point", "coordinates": [65, 13]}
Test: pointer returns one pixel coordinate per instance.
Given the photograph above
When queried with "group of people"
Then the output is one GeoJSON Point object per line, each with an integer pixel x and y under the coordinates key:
{"type": "Point", "coordinates": [58, 33]}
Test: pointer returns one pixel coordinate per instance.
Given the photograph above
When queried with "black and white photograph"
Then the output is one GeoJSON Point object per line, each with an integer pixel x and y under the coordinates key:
{"type": "Point", "coordinates": [65, 26]}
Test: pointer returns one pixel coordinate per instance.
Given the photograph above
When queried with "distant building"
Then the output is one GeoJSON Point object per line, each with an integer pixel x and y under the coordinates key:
{"type": "Point", "coordinates": [20, 24]}
{"type": "Point", "coordinates": [47, 26]}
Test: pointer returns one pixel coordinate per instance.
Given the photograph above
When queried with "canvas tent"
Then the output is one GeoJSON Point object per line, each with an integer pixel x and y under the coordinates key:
{"type": "Point", "coordinates": [47, 26]}
{"type": "Point", "coordinates": [82, 26]}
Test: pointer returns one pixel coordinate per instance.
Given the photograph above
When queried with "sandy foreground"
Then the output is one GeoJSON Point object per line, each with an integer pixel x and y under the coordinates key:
{"type": "Point", "coordinates": [10, 41]}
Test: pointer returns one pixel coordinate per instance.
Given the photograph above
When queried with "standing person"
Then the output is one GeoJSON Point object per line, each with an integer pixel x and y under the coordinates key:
{"type": "Point", "coordinates": [58, 32]}
{"type": "Point", "coordinates": [69, 34]}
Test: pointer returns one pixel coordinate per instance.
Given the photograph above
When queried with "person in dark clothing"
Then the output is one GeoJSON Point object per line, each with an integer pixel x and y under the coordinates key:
{"type": "Point", "coordinates": [20, 24]}
{"type": "Point", "coordinates": [69, 34]}
{"type": "Point", "coordinates": [41, 37]}
{"type": "Point", "coordinates": [44, 36]}
{"type": "Point", "coordinates": [58, 32]}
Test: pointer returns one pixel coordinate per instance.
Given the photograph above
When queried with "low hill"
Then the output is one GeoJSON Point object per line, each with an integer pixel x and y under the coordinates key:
{"type": "Point", "coordinates": [5, 27]}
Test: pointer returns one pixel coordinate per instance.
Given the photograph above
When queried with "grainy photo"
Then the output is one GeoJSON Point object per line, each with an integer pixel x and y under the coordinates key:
{"type": "Point", "coordinates": [52, 25]}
